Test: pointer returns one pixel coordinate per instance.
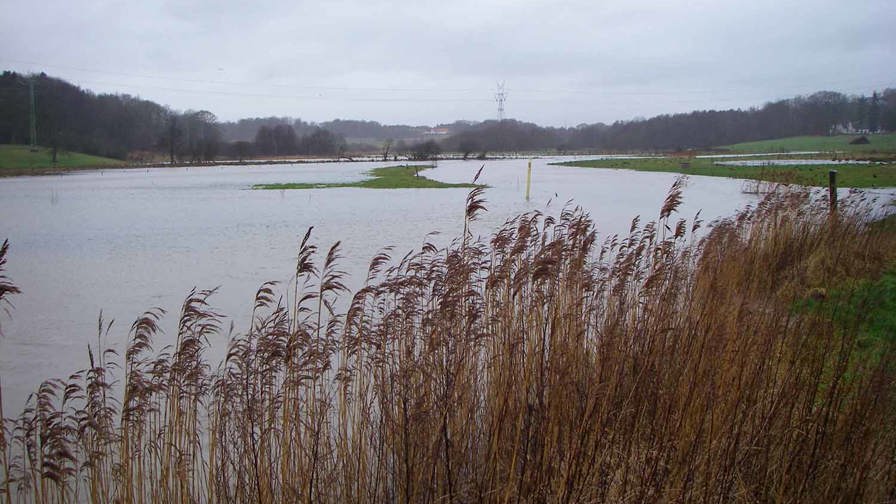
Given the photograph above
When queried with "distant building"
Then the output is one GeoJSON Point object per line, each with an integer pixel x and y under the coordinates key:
{"type": "Point", "coordinates": [847, 129]}
{"type": "Point", "coordinates": [842, 129]}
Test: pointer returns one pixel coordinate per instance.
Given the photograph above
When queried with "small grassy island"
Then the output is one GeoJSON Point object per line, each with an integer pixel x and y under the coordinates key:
{"type": "Point", "coordinates": [389, 177]}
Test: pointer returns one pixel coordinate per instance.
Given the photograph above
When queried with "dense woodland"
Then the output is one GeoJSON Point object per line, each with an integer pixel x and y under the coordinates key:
{"type": "Point", "coordinates": [127, 127]}
{"type": "Point", "coordinates": [821, 113]}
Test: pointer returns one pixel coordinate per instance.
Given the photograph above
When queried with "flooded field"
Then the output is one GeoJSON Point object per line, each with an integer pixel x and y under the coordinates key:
{"type": "Point", "coordinates": [122, 241]}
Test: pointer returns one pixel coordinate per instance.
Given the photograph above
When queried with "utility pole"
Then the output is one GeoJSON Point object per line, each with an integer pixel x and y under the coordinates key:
{"type": "Point", "coordinates": [33, 116]}
{"type": "Point", "coordinates": [501, 97]}
{"type": "Point", "coordinates": [172, 130]}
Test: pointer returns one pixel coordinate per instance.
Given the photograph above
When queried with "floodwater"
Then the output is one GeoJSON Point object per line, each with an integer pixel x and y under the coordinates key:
{"type": "Point", "coordinates": [123, 241]}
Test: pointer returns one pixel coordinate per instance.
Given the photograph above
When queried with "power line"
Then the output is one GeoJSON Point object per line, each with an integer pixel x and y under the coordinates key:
{"type": "Point", "coordinates": [33, 117]}
{"type": "Point", "coordinates": [240, 83]}
{"type": "Point", "coordinates": [281, 96]}
{"type": "Point", "coordinates": [501, 97]}
{"type": "Point", "coordinates": [717, 93]}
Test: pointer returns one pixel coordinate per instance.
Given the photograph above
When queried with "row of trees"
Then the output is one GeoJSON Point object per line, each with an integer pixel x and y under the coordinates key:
{"type": "Point", "coordinates": [69, 117]}
{"type": "Point", "coordinates": [818, 114]}
{"type": "Point", "coordinates": [282, 140]}
{"type": "Point", "coordinates": [247, 129]}
{"type": "Point", "coordinates": [118, 126]}
{"type": "Point", "coordinates": [286, 137]}
{"type": "Point", "coordinates": [124, 126]}
{"type": "Point", "coordinates": [368, 131]}
{"type": "Point", "coordinates": [371, 132]}
{"type": "Point", "coordinates": [192, 136]}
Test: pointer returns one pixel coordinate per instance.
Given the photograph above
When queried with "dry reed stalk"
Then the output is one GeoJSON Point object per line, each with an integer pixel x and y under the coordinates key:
{"type": "Point", "coordinates": [541, 365]}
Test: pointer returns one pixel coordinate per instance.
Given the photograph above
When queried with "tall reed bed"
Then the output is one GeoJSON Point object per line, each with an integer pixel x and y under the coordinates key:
{"type": "Point", "coordinates": [540, 365]}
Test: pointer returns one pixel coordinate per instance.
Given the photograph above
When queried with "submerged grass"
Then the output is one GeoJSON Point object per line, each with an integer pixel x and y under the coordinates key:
{"type": "Point", "coordinates": [389, 177]}
{"type": "Point", "coordinates": [849, 175]}
{"type": "Point", "coordinates": [540, 365]}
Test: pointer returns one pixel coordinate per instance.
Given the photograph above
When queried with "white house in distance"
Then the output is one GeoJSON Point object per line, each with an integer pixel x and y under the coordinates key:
{"type": "Point", "coordinates": [436, 133]}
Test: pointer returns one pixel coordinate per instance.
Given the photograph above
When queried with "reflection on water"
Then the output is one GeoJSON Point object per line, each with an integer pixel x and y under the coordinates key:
{"type": "Point", "coordinates": [127, 240]}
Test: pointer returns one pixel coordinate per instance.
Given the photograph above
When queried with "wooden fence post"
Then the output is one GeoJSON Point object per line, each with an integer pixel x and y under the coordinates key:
{"type": "Point", "coordinates": [832, 190]}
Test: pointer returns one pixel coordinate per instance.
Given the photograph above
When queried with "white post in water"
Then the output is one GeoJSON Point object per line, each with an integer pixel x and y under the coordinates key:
{"type": "Point", "coordinates": [529, 180]}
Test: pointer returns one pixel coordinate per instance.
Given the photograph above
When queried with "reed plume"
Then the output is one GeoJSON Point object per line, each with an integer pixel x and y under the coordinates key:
{"type": "Point", "coordinates": [542, 364]}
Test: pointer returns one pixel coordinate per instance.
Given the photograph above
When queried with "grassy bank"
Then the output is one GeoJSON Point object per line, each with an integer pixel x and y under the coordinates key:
{"type": "Point", "coordinates": [390, 177]}
{"type": "Point", "coordinates": [19, 160]}
{"type": "Point", "coordinates": [868, 306]}
{"type": "Point", "coordinates": [849, 175]}
{"type": "Point", "coordinates": [538, 365]}
{"type": "Point", "coordinates": [885, 143]}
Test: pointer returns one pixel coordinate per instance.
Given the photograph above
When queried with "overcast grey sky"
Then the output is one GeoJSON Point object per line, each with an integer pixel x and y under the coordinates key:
{"type": "Point", "coordinates": [424, 62]}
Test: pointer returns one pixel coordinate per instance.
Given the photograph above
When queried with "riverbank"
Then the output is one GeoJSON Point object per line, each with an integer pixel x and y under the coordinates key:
{"type": "Point", "coordinates": [19, 160]}
{"type": "Point", "coordinates": [16, 160]}
{"type": "Point", "coordinates": [869, 175]}
{"type": "Point", "coordinates": [877, 143]}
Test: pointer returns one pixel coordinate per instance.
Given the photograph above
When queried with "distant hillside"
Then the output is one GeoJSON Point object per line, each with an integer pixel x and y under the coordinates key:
{"type": "Point", "coordinates": [818, 114]}
{"type": "Point", "coordinates": [127, 127]}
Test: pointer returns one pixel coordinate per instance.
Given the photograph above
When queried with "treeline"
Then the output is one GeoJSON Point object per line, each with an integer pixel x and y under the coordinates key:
{"type": "Point", "coordinates": [127, 127]}
{"type": "Point", "coordinates": [352, 130]}
{"type": "Point", "coordinates": [247, 129]}
{"type": "Point", "coordinates": [282, 140]}
{"type": "Point", "coordinates": [73, 118]}
{"type": "Point", "coordinates": [280, 136]}
{"type": "Point", "coordinates": [821, 113]}
{"type": "Point", "coordinates": [113, 125]}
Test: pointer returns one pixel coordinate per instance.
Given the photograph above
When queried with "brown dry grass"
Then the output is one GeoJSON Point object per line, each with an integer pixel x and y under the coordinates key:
{"type": "Point", "coordinates": [541, 366]}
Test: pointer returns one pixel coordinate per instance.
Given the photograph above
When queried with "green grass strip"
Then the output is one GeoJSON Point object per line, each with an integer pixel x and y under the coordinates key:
{"type": "Point", "coordinates": [867, 306]}
{"type": "Point", "coordinates": [849, 175]}
{"type": "Point", "coordinates": [20, 160]}
{"type": "Point", "coordinates": [390, 177]}
{"type": "Point", "coordinates": [878, 143]}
